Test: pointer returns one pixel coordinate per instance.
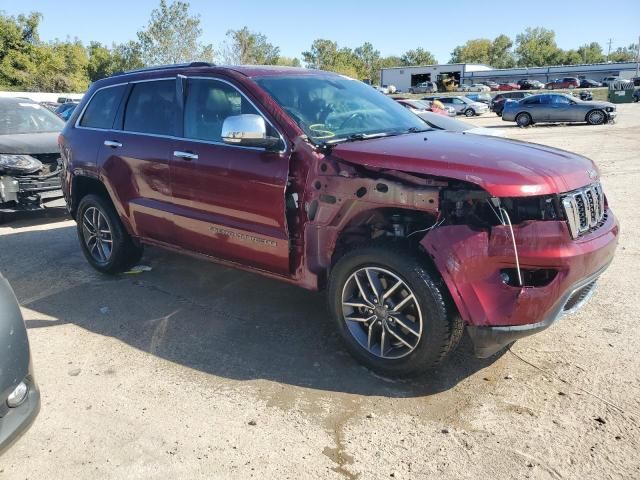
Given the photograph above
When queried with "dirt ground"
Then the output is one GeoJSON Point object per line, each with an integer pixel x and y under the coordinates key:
{"type": "Point", "coordinates": [193, 370]}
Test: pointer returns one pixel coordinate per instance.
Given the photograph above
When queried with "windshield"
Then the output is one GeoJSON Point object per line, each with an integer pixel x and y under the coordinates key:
{"type": "Point", "coordinates": [27, 117]}
{"type": "Point", "coordinates": [330, 109]}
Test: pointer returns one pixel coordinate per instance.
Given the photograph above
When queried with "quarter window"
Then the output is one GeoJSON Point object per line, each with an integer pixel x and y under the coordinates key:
{"type": "Point", "coordinates": [152, 108]}
{"type": "Point", "coordinates": [209, 103]}
{"type": "Point", "coordinates": [102, 108]}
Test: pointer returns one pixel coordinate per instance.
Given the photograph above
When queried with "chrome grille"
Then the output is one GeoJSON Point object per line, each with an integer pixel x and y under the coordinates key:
{"type": "Point", "coordinates": [584, 209]}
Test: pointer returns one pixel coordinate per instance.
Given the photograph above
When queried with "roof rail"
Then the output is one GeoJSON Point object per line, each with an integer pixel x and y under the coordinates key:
{"type": "Point", "coordinates": [165, 67]}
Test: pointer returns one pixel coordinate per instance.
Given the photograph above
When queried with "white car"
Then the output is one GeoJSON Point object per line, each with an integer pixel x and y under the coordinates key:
{"type": "Point", "coordinates": [384, 90]}
{"type": "Point", "coordinates": [441, 122]}
{"type": "Point", "coordinates": [478, 87]}
{"type": "Point", "coordinates": [465, 106]}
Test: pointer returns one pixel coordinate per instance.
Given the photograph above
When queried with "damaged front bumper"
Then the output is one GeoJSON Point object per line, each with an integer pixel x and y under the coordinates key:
{"type": "Point", "coordinates": [489, 340]}
{"type": "Point", "coordinates": [473, 262]}
{"type": "Point", "coordinates": [29, 192]}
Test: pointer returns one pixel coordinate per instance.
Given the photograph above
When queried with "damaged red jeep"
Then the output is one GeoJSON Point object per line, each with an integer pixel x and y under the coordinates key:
{"type": "Point", "coordinates": [318, 180]}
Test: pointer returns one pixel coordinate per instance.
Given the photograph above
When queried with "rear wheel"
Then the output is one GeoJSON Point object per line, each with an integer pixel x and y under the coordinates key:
{"type": "Point", "coordinates": [596, 117]}
{"type": "Point", "coordinates": [391, 311]}
{"type": "Point", "coordinates": [523, 120]}
{"type": "Point", "coordinates": [104, 241]}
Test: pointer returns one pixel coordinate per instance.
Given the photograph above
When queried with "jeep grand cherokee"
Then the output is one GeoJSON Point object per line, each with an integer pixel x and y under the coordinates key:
{"type": "Point", "coordinates": [318, 180]}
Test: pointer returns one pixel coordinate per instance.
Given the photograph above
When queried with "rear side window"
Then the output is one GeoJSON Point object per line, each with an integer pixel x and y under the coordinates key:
{"type": "Point", "coordinates": [533, 100]}
{"type": "Point", "coordinates": [152, 108]}
{"type": "Point", "coordinates": [209, 103]}
{"type": "Point", "coordinates": [102, 108]}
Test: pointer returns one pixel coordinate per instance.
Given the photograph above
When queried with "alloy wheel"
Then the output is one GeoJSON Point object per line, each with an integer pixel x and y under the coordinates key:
{"type": "Point", "coordinates": [381, 312]}
{"type": "Point", "coordinates": [596, 117]}
{"type": "Point", "coordinates": [97, 235]}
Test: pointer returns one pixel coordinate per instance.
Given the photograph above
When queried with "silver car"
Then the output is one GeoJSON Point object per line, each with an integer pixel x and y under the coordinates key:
{"type": "Point", "coordinates": [424, 87]}
{"type": "Point", "coordinates": [557, 107]}
{"type": "Point", "coordinates": [465, 106]}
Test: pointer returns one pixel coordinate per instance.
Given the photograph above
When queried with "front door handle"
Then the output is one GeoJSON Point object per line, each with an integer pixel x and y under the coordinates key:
{"type": "Point", "coordinates": [185, 155]}
{"type": "Point", "coordinates": [112, 144]}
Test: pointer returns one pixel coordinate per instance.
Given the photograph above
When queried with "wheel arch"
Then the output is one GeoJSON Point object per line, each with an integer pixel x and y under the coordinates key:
{"type": "Point", "coordinates": [83, 185]}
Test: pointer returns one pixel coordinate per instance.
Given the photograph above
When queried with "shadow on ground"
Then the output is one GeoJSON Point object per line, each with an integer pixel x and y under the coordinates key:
{"type": "Point", "coordinates": [207, 317]}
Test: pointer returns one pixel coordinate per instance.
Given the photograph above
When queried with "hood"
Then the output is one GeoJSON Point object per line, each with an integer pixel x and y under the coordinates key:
{"type": "Point", "coordinates": [598, 104]}
{"type": "Point", "coordinates": [504, 168]}
{"type": "Point", "coordinates": [29, 143]}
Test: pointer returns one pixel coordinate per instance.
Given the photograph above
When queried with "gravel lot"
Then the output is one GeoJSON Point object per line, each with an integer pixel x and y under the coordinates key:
{"type": "Point", "coordinates": [193, 370]}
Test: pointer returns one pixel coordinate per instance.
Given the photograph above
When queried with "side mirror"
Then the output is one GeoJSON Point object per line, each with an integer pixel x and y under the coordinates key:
{"type": "Point", "coordinates": [248, 130]}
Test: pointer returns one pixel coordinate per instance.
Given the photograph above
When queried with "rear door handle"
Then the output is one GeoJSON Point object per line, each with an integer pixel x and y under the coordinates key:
{"type": "Point", "coordinates": [185, 155]}
{"type": "Point", "coordinates": [112, 144]}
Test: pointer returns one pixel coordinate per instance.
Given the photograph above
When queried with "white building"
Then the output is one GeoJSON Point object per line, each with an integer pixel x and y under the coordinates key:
{"type": "Point", "coordinates": [405, 77]}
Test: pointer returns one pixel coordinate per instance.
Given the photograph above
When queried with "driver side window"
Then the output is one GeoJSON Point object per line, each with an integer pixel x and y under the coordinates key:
{"type": "Point", "coordinates": [208, 104]}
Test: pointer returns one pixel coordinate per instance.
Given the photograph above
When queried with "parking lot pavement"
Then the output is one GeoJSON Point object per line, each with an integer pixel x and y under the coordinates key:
{"type": "Point", "coordinates": [193, 370]}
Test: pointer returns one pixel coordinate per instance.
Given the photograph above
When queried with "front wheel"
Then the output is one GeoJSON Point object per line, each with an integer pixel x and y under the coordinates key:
{"type": "Point", "coordinates": [105, 243]}
{"type": "Point", "coordinates": [596, 117]}
{"type": "Point", "coordinates": [470, 112]}
{"type": "Point", "coordinates": [391, 311]}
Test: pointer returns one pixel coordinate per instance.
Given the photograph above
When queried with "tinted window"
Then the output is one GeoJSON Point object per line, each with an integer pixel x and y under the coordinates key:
{"type": "Point", "coordinates": [559, 99]}
{"type": "Point", "coordinates": [533, 100]}
{"type": "Point", "coordinates": [152, 108]}
{"type": "Point", "coordinates": [102, 108]}
{"type": "Point", "coordinates": [209, 102]}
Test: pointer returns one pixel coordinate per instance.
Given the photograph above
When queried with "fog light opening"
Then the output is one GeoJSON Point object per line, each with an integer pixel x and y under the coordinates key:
{"type": "Point", "coordinates": [540, 277]}
{"type": "Point", "coordinates": [18, 396]}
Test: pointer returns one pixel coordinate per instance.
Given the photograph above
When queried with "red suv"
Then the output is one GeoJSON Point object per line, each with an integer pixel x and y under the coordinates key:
{"type": "Point", "coordinates": [318, 180]}
{"type": "Point", "coordinates": [566, 82]}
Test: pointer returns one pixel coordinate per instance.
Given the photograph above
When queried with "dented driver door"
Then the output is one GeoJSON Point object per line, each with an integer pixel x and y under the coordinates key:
{"type": "Point", "coordinates": [229, 200]}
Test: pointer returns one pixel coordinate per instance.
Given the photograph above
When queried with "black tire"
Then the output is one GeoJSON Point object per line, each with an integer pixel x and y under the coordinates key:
{"type": "Point", "coordinates": [523, 120]}
{"type": "Point", "coordinates": [124, 252]}
{"type": "Point", "coordinates": [596, 117]}
{"type": "Point", "coordinates": [470, 112]}
{"type": "Point", "coordinates": [442, 328]}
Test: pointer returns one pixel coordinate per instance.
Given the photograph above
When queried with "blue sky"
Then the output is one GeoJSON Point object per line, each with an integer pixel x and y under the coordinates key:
{"type": "Point", "coordinates": [392, 27]}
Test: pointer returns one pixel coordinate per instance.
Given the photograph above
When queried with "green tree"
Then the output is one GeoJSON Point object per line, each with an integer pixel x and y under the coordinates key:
{"type": "Point", "coordinates": [244, 47]}
{"type": "Point", "coordinates": [325, 55]}
{"type": "Point", "coordinates": [288, 62]}
{"type": "Point", "coordinates": [173, 36]}
{"type": "Point", "coordinates": [624, 54]}
{"type": "Point", "coordinates": [536, 47]}
{"type": "Point", "coordinates": [474, 51]}
{"type": "Point", "coordinates": [571, 57]}
{"type": "Point", "coordinates": [501, 52]}
{"type": "Point", "coordinates": [368, 61]}
{"type": "Point", "coordinates": [591, 53]}
{"type": "Point", "coordinates": [418, 56]}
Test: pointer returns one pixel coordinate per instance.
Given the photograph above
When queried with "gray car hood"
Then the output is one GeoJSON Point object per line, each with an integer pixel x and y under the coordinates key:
{"type": "Point", "coordinates": [29, 143]}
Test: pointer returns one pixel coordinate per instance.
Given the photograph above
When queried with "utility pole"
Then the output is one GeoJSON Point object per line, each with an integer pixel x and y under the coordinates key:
{"type": "Point", "coordinates": [609, 50]}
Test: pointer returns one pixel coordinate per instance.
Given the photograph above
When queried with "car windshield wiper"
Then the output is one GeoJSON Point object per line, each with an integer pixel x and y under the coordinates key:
{"type": "Point", "coordinates": [417, 129]}
{"type": "Point", "coordinates": [354, 137]}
